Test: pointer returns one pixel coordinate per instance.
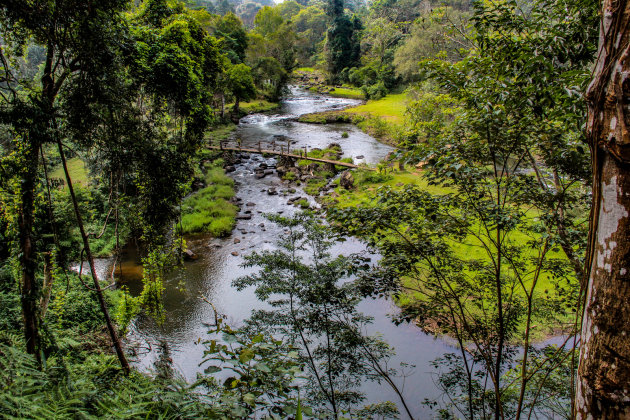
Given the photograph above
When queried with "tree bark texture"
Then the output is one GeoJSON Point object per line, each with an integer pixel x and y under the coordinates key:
{"type": "Point", "coordinates": [29, 293]}
{"type": "Point", "coordinates": [603, 388]}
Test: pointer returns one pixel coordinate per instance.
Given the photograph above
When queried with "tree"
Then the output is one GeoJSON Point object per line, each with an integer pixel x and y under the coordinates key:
{"type": "Point", "coordinates": [342, 39]}
{"type": "Point", "coordinates": [604, 368]}
{"type": "Point", "coordinates": [240, 83]}
{"type": "Point", "coordinates": [314, 307]}
{"type": "Point", "coordinates": [476, 249]}
{"type": "Point", "coordinates": [310, 27]}
{"type": "Point", "coordinates": [230, 30]}
{"type": "Point", "coordinates": [73, 36]}
{"type": "Point", "coordinates": [267, 21]}
{"type": "Point", "coordinates": [137, 96]}
{"type": "Point", "coordinates": [288, 9]}
{"type": "Point", "coordinates": [442, 31]}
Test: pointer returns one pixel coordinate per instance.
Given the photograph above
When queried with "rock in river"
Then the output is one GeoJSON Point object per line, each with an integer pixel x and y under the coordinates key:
{"type": "Point", "coordinates": [347, 180]}
{"type": "Point", "coordinates": [189, 255]}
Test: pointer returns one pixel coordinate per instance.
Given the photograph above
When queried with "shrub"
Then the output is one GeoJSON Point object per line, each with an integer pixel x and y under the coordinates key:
{"type": "Point", "coordinates": [371, 177]}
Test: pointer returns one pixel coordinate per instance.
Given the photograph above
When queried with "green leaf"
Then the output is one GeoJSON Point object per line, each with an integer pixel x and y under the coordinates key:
{"type": "Point", "coordinates": [250, 399]}
{"type": "Point", "coordinates": [262, 367]}
{"type": "Point", "coordinates": [212, 369]}
{"type": "Point", "coordinates": [246, 355]}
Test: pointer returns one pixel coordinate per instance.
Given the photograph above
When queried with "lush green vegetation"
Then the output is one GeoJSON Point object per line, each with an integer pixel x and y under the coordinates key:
{"type": "Point", "coordinates": [209, 210]}
{"type": "Point", "coordinates": [105, 109]}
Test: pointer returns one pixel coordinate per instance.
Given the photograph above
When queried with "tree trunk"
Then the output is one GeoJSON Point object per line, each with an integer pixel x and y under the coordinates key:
{"type": "Point", "coordinates": [603, 388]}
{"type": "Point", "coordinates": [236, 107]}
{"type": "Point", "coordinates": [97, 287]}
{"type": "Point", "coordinates": [48, 283]}
{"type": "Point", "coordinates": [29, 293]}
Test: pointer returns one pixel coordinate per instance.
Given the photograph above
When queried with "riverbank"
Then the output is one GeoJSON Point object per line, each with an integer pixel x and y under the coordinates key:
{"type": "Point", "coordinates": [314, 80]}
{"type": "Point", "coordinates": [383, 119]}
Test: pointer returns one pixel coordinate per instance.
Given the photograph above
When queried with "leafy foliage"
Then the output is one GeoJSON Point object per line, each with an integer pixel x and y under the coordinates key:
{"type": "Point", "coordinates": [314, 306]}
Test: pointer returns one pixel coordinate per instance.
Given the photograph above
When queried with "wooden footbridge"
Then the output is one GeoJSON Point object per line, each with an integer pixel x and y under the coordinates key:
{"type": "Point", "coordinates": [284, 151]}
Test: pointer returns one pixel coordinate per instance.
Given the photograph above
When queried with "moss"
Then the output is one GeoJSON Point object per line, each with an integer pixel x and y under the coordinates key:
{"type": "Point", "coordinates": [303, 203]}
{"type": "Point", "coordinates": [314, 185]}
{"type": "Point", "coordinates": [289, 176]}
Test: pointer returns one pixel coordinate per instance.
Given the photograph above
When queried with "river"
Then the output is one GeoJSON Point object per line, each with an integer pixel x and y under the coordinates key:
{"type": "Point", "coordinates": [212, 274]}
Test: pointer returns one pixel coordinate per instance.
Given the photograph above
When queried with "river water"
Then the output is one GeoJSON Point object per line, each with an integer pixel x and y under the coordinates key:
{"type": "Point", "coordinates": [212, 274]}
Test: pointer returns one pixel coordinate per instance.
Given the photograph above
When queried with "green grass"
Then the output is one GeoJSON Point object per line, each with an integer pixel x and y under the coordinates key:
{"type": "Point", "coordinates": [368, 182]}
{"type": "Point", "coordinates": [208, 210]}
{"type": "Point", "coordinates": [220, 133]}
{"type": "Point", "coordinates": [391, 108]}
{"type": "Point", "coordinates": [258, 105]}
{"type": "Point", "coordinates": [346, 92]}
{"type": "Point", "coordinates": [77, 170]}
{"type": "Point", "coordinates": [383, 118]}
{"type": "Point", "coordinates": [326, 117]}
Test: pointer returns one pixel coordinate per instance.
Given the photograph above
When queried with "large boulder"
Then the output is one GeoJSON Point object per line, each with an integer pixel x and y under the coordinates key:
{"type": "Point", "coordinates": [347, 180]}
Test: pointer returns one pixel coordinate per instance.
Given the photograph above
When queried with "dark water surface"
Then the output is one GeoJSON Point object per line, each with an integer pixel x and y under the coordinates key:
{"type": "Point", "coordinates": [212, 274]}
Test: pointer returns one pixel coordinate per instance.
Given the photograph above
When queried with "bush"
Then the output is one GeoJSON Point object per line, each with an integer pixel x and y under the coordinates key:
{"type": "Point", "coordinates": [374, 92]}
{"type": "Point", "coordinates": [371, 177]}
